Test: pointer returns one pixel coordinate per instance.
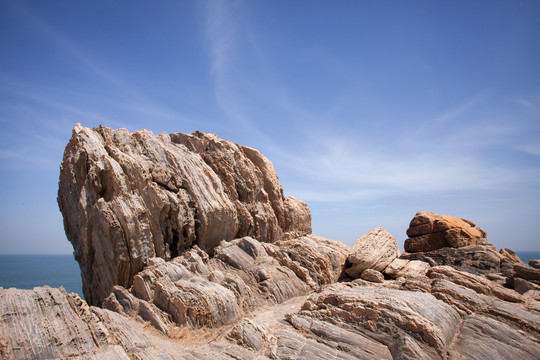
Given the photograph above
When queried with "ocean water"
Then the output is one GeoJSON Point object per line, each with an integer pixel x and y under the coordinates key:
{"type": "Point", "coordinates": [526, 256]}
{"type": "Point", "coordinates": [29, 271]}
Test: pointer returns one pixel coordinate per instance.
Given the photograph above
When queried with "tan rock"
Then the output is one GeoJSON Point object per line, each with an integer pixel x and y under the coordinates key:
{"type": "Point", "coordinates": [373, 250]}
{"type": "Point", "coordinates": [430, 231]}
{"type": "Point", "coordinates": [372, 275]}
{"type": "Point", "coordinates": [406, 268]}
{"type": "Point", "coordinates": [127, 197]}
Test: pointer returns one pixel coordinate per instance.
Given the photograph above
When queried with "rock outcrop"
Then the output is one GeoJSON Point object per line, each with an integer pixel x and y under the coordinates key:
{"type": "Point", "coordinates": [127, 197]}
{"type": "Point", "coordinates": [264, 288]}
{"type": "Point", "coordinates": [429, 231]}
{"type": "Point", "coordinates": [447, 240]}
{"type": "Point", "coordinates": [243, 275]}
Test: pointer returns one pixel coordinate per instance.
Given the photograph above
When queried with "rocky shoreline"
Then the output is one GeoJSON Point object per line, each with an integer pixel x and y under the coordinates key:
{"type": "Point", "coordinates": [189, 249]}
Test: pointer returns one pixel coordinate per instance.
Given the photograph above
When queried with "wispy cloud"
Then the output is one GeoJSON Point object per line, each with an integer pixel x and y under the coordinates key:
{"type": "Point", "coordinates": [129, 95]}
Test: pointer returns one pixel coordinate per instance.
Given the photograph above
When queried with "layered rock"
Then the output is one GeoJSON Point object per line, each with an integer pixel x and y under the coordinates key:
{"type": "Point", "coordinates": [127, 197]}
{"type": "Point", "coordinates": [429, 231]}
{"type": "Point", "coordinates": [48, 323]}
{"type": "Point", "coordinates": [447, 240]}
{"type": "Point", "coordinates": [193, 251]}
{"type": "Point", "coordinates": [373, 250]}
{"type": "Point", "coordinates": [243, 275]}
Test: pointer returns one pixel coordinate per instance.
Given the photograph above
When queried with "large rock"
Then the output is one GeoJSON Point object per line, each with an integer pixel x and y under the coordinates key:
{"type": "Point", "coordinates": [127, 197]}
{"type": "Point", "coordinates": [429, 231]}
{"type": "Point", "coordinates": [373, 250]}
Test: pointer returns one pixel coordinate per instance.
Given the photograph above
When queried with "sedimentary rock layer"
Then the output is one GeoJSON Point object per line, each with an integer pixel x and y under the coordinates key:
{"type": "Point", "coordinates": [127, 197]}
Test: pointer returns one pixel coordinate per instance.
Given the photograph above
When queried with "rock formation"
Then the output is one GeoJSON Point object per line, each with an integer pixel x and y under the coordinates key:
{"type": "Point", "coordinates": [127, 197]}
{"type": "Point", "coordinates": [201, 256]}
{"type": "Point", "coordinates": [429, 231]}
{"type": "Point", "coordinates": [447, 240]}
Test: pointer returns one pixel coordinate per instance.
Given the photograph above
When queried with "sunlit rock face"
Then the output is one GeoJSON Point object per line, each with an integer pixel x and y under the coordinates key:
{"type": "Point", "coordinates": [127, 197]}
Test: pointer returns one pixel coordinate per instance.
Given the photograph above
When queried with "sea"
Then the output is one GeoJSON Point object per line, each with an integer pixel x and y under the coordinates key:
{"type": "Point", "coordinates": [29, 271]}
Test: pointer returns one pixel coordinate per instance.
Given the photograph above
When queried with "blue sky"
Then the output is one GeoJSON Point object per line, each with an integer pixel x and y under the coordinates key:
{"type": "Point", "coordinates": [369, 110]}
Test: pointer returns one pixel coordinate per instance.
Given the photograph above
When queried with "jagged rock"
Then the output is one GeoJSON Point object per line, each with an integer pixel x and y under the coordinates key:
{"type": "Point", "coordinates": [535, 264]}
{"type": "Point", "coordinates": [482, 259]}
{"type": "Point", "coordinates": [314, 259]}
{"type": "Point", "coordinates": [127, 197]}
{"type": "Point", "coordinates": [511, 255]}
{"type": "Point", "coordinates": [372, 275]}
{"type": "Point", "coordinates": [373, 250]}
{"type": "Point", "coordinates": [244, 274]}
{"type": "Point", "coordinates": [429, 231]}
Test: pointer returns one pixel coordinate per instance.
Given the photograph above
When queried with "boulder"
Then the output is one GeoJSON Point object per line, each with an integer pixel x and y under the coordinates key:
{"type": "Point", "coordinates": [372, 275]}
{"type": "Point", "coordinates": [373, 250]}
{"type": "Point", "coordinates": [127, 197]}
{"type": "Point", "coordinates": [430, 231]}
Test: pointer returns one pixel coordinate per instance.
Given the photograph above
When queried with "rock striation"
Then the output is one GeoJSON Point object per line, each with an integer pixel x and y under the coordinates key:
{"type": "Point", "coordinates": [127, 197]}
{"type": "Point", "coordinates": [264, 288]}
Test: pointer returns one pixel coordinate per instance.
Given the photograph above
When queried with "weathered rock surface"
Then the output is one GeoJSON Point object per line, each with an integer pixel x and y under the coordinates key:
{"type": "Point", "coordinates": [373, 250]}
{"type": "Point", "coordinates": [430, 231]}
{"type": "Point", "coordinates": [483, 259]}
{"type": "Point", "coordinates": [244, 274]}
{"type": "Point", "coordinates": [406, 268]}
{"type": "Point", "coordinates": [48, 323]}
{"type": "Point", "coordinates": [127, 197]}
{"type": "Point", "coordinates": [252, 284]}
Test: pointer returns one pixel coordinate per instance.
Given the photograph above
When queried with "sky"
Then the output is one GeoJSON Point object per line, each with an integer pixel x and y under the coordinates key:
{"type": "Point", "coordinates": [369, 110]}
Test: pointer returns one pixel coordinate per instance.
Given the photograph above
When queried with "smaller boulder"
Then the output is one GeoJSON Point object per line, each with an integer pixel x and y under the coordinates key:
{"type": "Point", "coordinates": [372, 275]}
{"type": "Point", "coordinates": [373, 250]}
